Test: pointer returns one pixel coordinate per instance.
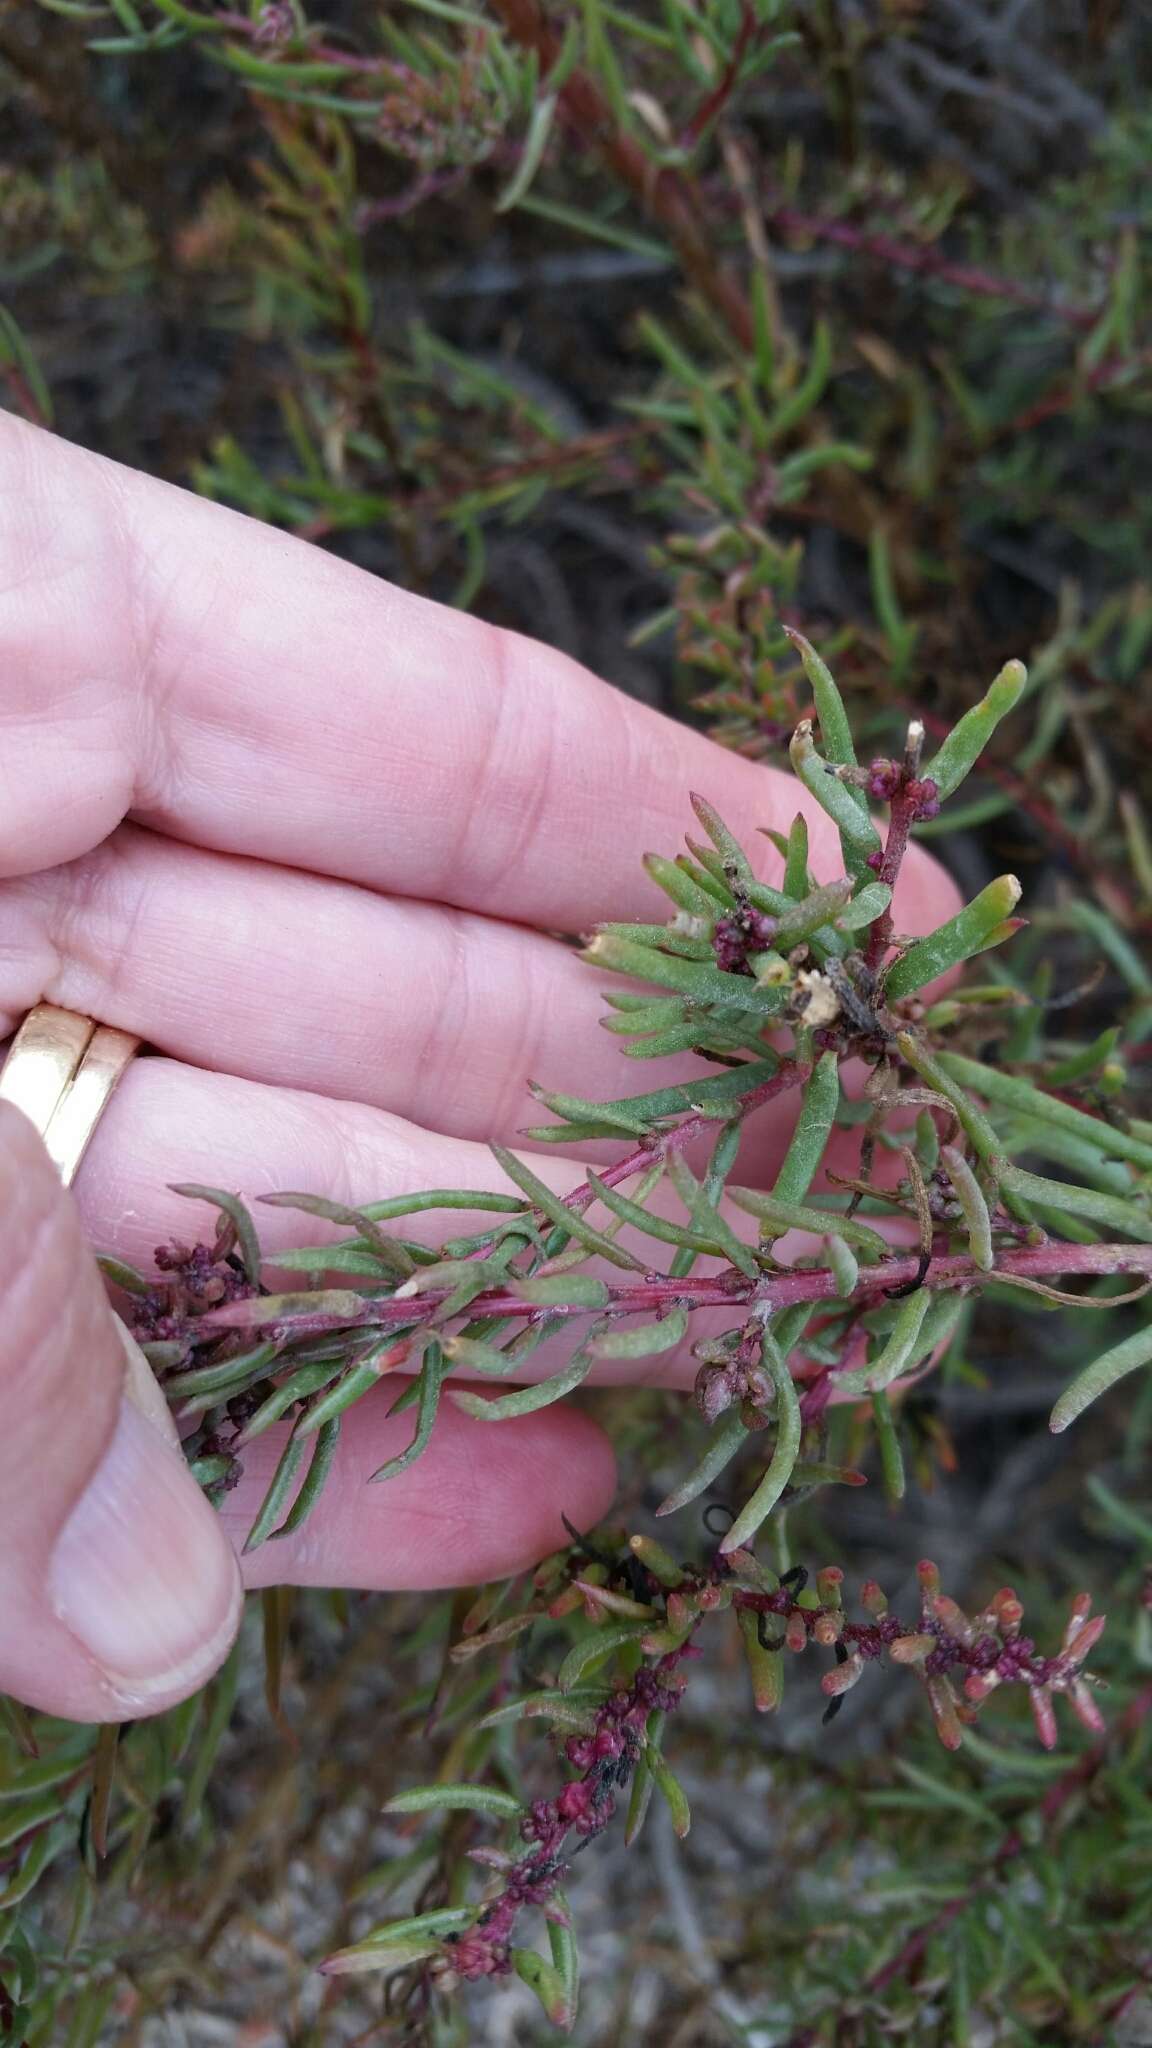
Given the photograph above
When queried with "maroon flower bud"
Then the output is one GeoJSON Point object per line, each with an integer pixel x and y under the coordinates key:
{"type": "Point", "coordinates": [715, 1390]}
{"type": "Point", "coordinates": [924, 798]}
{"type": "Point", "coordinates": [743, 932]}
{"type": "Point", "coordinates": [884, 779]}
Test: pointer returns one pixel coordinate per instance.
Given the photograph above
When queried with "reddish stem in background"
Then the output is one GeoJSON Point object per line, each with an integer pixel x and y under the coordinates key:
{"type": "Point", "coordinates": [668, 197]}
{"type": "Point", "coordinates": [1013, 1845]}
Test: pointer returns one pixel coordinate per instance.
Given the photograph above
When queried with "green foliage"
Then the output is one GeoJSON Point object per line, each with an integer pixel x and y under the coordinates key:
{"type": "Point", "coordinates": [866, 403]}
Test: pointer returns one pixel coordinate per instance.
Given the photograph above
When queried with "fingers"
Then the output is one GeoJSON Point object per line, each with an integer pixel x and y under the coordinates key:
{"type": "Point", "coordinates": [441, 1016]}
{"type": "Point", "coordinates": [241, 689]}
{"type": "Point", "coordinates": [485, 1500]}
{"type": "Point", "coordinates": [119, 1592]}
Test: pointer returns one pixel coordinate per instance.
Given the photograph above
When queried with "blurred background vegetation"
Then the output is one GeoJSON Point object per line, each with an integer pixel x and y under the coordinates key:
{"type": "Point", "coordinates": [638, 327]}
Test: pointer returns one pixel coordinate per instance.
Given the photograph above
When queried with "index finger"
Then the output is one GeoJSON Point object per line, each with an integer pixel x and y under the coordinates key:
{"type": "Point", "coordinates": [224, 683]}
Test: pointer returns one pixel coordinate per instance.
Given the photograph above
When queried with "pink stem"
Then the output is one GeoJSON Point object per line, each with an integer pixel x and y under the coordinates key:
{"type": "Point", "coordinates": [657, 1292]}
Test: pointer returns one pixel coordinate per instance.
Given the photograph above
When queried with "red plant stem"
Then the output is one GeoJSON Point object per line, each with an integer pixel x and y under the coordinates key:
{"type": "Point", "coordinates": [926, 262]}
{"type": "Point", "coordinates": [657, 1293]}
{"type": "Point", "coordinates": [1013, 1845]}
{"type": "Point", "coordinates": [790, 1074]}
{"type": "Point", "coordinates": [900, 820]}
{"type": "Point", "coordinates": [668, 197]}
{"type": "Point", "coordinates": [714, 104]}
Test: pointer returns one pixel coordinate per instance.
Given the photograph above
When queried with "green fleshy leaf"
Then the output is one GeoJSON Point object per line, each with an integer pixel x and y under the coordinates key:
{"type": "Point", "coordinates": [671, 1790]}
{"type": "Point", "coordinates": [1103, 1374]}
{"type": "Point", "coordinates": [785, 1453]}
{"type": "Point", "coordinates": [455, 1799]}
{"type": "Point", "coordinates": [276, 1498]}
{"type": "Point", "coordinates": [902, 1350]}
{"type": "Point", "coordinates": [971, 931]}
{"type": "Point", "coordinates": [1015, 1093]}
{"type": "Point", "coordinates": [545, 1980]}
{"type": "Point", "coordinates": [594, 1648]}
{"type": "Point", "coordinates": [570, 1221]}
{"type": "Point", "coordinates": [809, 1141]}
{"type": "Point", "coordinates": [526, 1400]}
{"type": "Point", "coordinates": [766, 1667]}
{"type": "Point", "coordinates": [642, 1340]}
{"type": "Point", "coordinates": [320, 1465]}
{"type": "Point", "coordinates": [858, 835]}
{"type": "Point", "coordinates": [247, 1242]}
{"type": "Point", "coordinates": [429, 1384]}
{"type": "Point", "coordinates": [968, 739]}
{"type": "Point", "coordinates": [697, 979]}
{"type": "Point", "coordinates": [727, 1438]}
{"type": "Point", "coordinates": [973, 1206]}
{"type": "Point", "coordinates": [888, 1445]}
{"type": "Point", "coordinates": [564, 1290]}
{"type": "Point", "coordinates": [390, 1253]}
{"type": "Point", "coordinates": [781, 1216]}
{"type": "Point", "coordinates": [710, 1238]}
{"type": "Point", "coordinates": [835, 725]}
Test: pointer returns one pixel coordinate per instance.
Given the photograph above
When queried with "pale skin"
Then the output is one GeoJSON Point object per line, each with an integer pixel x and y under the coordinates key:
{"type": "Point", "coordinates": [308, 836]}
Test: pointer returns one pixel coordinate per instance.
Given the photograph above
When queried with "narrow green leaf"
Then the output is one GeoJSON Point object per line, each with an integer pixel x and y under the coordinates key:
{"type": "Point", "coordinates": [1102, 1374]}
{"type": "Point", "coordinates": [593, 1648]}
{"type": "Point", "coordinates": [732, 855]}
{"type": "Point", "coordinates": [781, 1216]}
{"type": "Point", "coordinates": [697, 979]}
{"type": "Point", "coordinates": [320, 1465]}
{"type": "Point", "coordinates": [390, 1253]}
{"type": "Point", "coordinates": [455, 1799]}
{"type": "Point", "coordinates": [575, 1225]}
{"type": "Point", "coordinates": [968, 739]}
{"type": "Point", "coordinates": [276, 1498]}
{"type": "Point", "coordinates": [835, 725]}
{"type": "Point", "coordinates": [526, 1400]}
{"type": "Point", "coordinates": [642, 1340]}
{"type": "Point", "coordinates": [545, 1981]}
{"type": "Point", "coordinates": [575, 1110]}
{"type": "Point", "coordinates": [365, 1956]}
{"type": "Point", "coordinates": [784, 1455]}
{"type": "Point", "coordinates": [673, 1793]}
{"type": "Point", "coordinates": [858, 836]}
{"type": "Point", "coordinates": [439, 1198]}
{"type": "Point", "coordinates": [973, 1206]}
{"type": "Point", "coordinates": [766, 1667]}
{"type": "Point", "coordinates": [686, 893]}
{"type": "Point", "coordinates": [247, 1242]}
{"type": "Point", "coordinates": [843, 1266]}
{"type": "Point", "coordinates": [888, 1445]}
{"type": "Point", "coordinates": [865, 907]}
{"type": "Point", "coordinates": [712, 1237]}
{"type": "Point", "coordinates": [306, 1380]}
{"type": "Point", "coordinates": [351, 1387]}
{"type": "Point", "coordinates": [964, 935]}
{"type": "Point", "coordinates": [818, 1106]}
{"type": "Point", "coordinates": [727, 1438]}
{"type": "Point", "coordinates": [898, 1355]}
{"type": "Point", "coordinates": [1015, 1093]}
{"type": "Point", "coordinates": [1100, 1208]}
{"type": "Point", "coordinates": [531, 155]}
{"type": "Point", "coordinates": [429, 1384]}
{"type": "Point", "coordinates": [564, 1290]}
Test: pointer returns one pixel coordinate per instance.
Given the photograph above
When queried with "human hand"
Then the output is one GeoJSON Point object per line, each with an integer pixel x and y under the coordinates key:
{"type": "Point", "coordinates": [306, 835]}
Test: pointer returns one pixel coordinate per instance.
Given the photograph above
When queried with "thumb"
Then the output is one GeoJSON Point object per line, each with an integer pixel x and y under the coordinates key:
{"type": "Point", "coordinates": [119, 1593]}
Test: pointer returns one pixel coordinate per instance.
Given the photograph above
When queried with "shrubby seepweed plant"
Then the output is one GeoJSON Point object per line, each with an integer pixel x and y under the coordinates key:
{"type": "Point", "coordinates": [779, 988]}
{"type": "Point", "coordinates": [705, 314]}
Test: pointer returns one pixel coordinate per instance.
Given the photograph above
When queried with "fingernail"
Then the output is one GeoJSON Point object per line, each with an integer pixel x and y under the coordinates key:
{"type": "Point", "coordinates": [142, 1573]}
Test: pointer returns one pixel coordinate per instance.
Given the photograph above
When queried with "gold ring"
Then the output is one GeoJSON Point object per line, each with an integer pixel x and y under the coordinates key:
{"type": "Point", "coordinates": [61, 1070]}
